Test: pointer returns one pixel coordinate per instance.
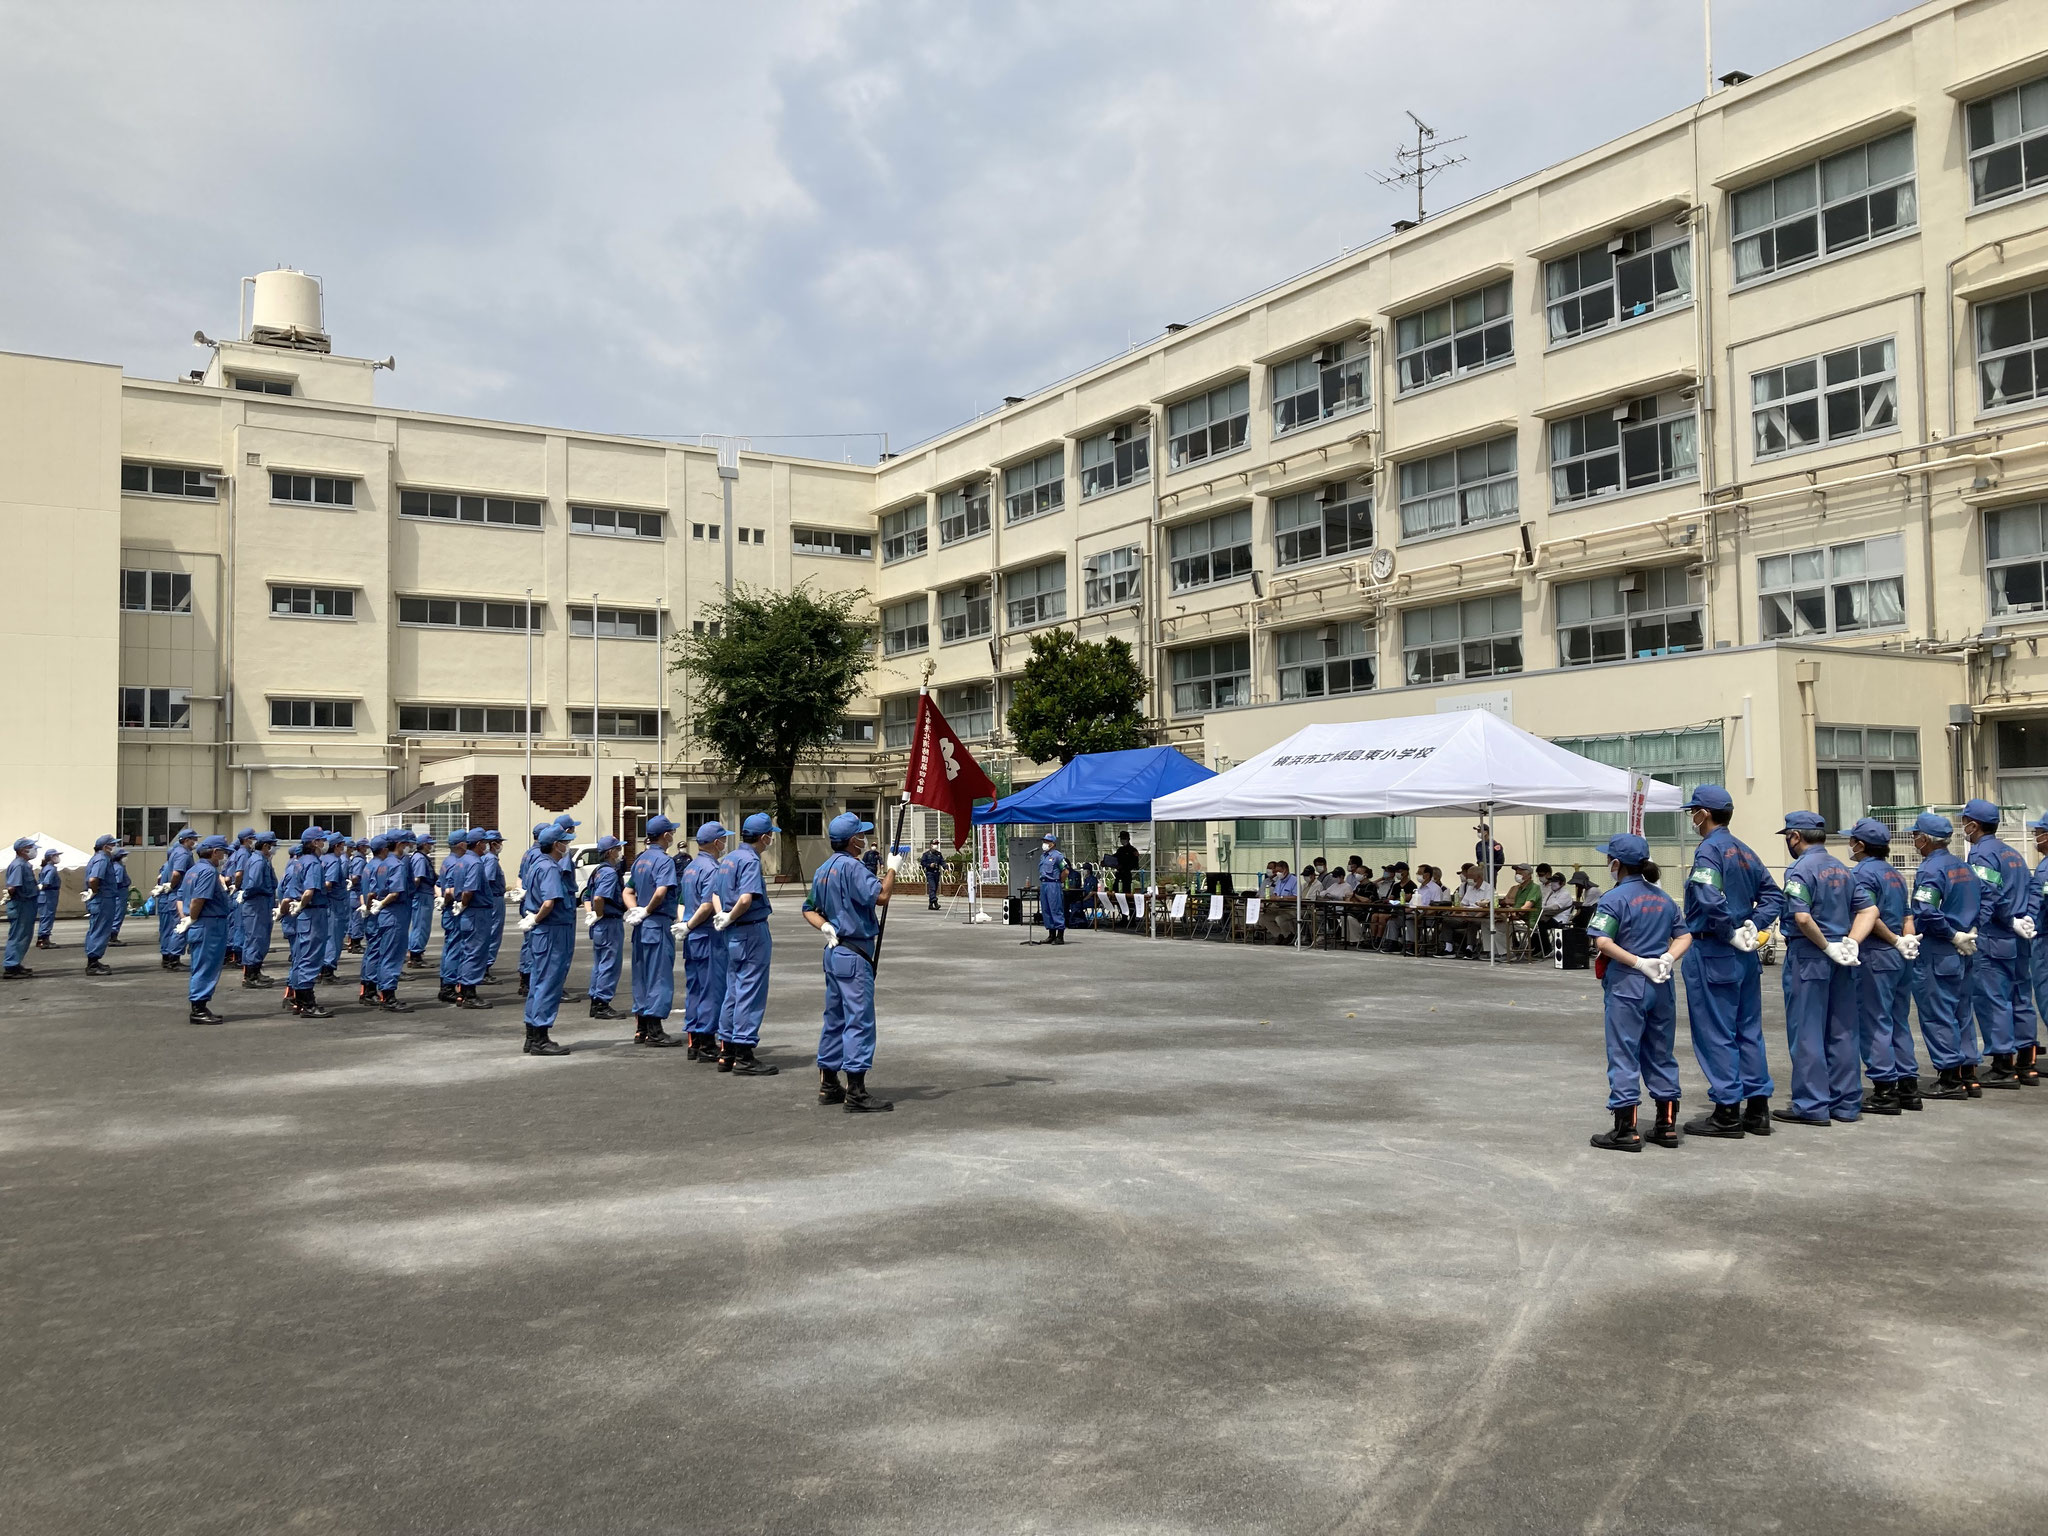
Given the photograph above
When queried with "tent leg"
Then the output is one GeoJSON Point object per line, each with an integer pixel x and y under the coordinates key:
{"type": "Point", "coordinates": [1297, 882]}
{"type": "Point", "coordinates": [1152, 906]}
{"type": "Point", "coordinates": [1493, 879]}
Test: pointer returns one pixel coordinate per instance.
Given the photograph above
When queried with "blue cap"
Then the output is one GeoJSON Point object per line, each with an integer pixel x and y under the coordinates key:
{"type": "Point", "coordinates": [295, 849]}
{"type": "Point", "coordinates": [399, 835]}
{"type": "Point", "coordinates": [104, 840]}
{"type": "Point", "coordinates": [757, 824]}
{"type": "Point", "coordinates": [1050, 837]}
{"type": "Point", "coordinates": [493, 835]}
{"type": "Point", "coordinates": [266, 837]}
{"type": "Point", "coordinates": [657, 825]}
{"type": "Point", "coordinates": [185, 832]}
{"type": "Point", "coordinates": [607, 843]}
{"type": "Point", "coordinates": [846, 825]}
{"type": "Point", "coordinates": [711, 832]}
{"type": "Point", "coordinates": [1804, 822]}
{"type": "Point", "coordinates": [378, 843]}
{"type": "Point", "coordinates": [1930, 824]}
{"type": "Point", "coordinates": [1709, 797]}
{"type": "Point", "coordinates": [1983, 812]}
{"type": "Point", "coordinates": [311, 835]}
{"type": "Point", "coordinates": [545, 826]}
{"type": "Point", "coordinates": [213, 844]}
{"type": "Point", "coordinates": [2038, 826]}
{"type": "Point", "coordinates": [1626, 848]}
{"type": "Point", "coordinates": [52, 853]}
{"type": "Point", "coordinates": [565, 820]}
{"type": "Point", "coordinates": [459, 835]}
{"type": "Point", "coordinates": [119, 850]}
{"type": "Point", "coordinates": [1870, 832]}
{"type": "Point", "coordinates": [24, 845]}
{"type": "Point", "coordinates": [551, 834]}
{"type": "Point", "coordinates": [245, 832]}
{"type": "Point", "coordinates": [426, 839]}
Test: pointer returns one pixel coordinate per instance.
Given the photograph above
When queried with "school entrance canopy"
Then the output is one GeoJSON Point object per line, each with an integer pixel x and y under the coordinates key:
{"type": "Point", "coordinates": [1099, 786]}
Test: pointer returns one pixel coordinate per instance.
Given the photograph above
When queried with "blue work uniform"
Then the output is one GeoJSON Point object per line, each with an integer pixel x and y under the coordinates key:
{"type": "Point", "coordinates": [494, 919]}
{"type": "Point", "coordinates": [843, 892]}
{"type": "Point", "coordinates": [421, 923]}
{"type": "Point", "coordinates": [934, 865]}
{"type": "Point", "coordinates": [1052, 893]}
{"type": "Point", "coordinates": [100, 909]}
{"type": "Point", "coordinates": [654, 947]}
{"type": "Point", "coordinates": [454, 873]}
{"type": "Point", "coordinates": [1946, 896]}
{"type": "Point", "coordinates": [127, 884]}
{"type": "Point", "coordinates": [608, 933]}
{"type": "Point", "coordinates": [231, 881]}
{"type": "Point", "coordinates": [554, 942]}
{"type": "Point", "coordinates": [49, 886]}
{"type": "Point", "coordinates": [334, 871]}
{"type": "Point", "coordinates": [704, 949]}
{"type": "Point", "coordinates": [392, 927]}
{"type": "Point", "coordinates": [21, 910]}
{"type": "Point", "coordinates": [1884, 1031]}
{"type": "Point", "coordinates": [259, 902]}
{"type": "Point", "coordinates": [528, 905]}
{"type": "Point", "coordinates": [307, 878]}
{"type": "Point", "coordinates": [748, 948]}
{"type": "Point", "coordinates": [207, 938]}
{"type": "Point", "coordinates": [471, 925]}
{"type": "Point", "coordinates": [1998, 987]}
{"type": "Point", "coordinates": [355, 870]}
{"type": "Point", "coordinates": [1820, 996]}
{"type": "Point", "coordinates": [1641, 1015]}
{"type": "Point", "coordinates": [2037, 947]}
{"type": "Point", "coordinates": [1724, 1002]}
{"type": "Point", "coordinates": [169, 906]}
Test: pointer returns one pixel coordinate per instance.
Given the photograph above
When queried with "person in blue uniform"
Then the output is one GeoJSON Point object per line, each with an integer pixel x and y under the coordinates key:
{"type": "Point", "coordinates": [124, 882]}
{"type": "Point", "coordinates": [204, 927]}
{"type": "Point", "coordinates": [1879, 925]}
{"type": "Point", "coordinates": [355, 869]}
{"type": "Point", "coordinates": [288, 893]}
{"type": "Point", "coordinates": [334, 873]}
{"type": "Point", "coordinates": [1640, 933]}
{"type": "Point", "coordinates": [470, 899]}
{"type": "Point", "coordinates": [1945, 898]}
{"type": "Point", "coordinates": [231, 882]}
{"type": "Point", "coordinates": [842, 905]}
{"type": "Point", "coordinates": [256, 901]}
{"type": "Point", "coordinates": [99, 905]}
{"type": "Point", "coordinates": [604, 893]}
{"type": "Point", "coordinates": [49, 886]}
{"type": "Point", "coordinates": [1729, 898]}
{"type": "Point", "coordinates": [1820, 985]}
{"type": "Point", "coordinates": [562, 823]}
{"type": "Point", "coordinates": [169, 942]}
{"type": "Point", "coordinates": [494, 892]}
{"type": "Point", "coordinates": [704, 948]}
{"type": "Point", "coordinates": [424, 876]}
{"type": "Point", "coordinates": [306, 882]}
{"type": "Point", "coordinates": [1997, 985]}
{"type": "Point", "coordinates": [361, 893]}
{"type": "Point", "coordinates": [1052, 889]}
{"type": "Point", "coordinates": [652, 923]}
{"type": "Point", "coordinates": [387, 924]}
{"type": "Point", "coordinates": [447, 882]}
{"type": "Point", "coordinates": [551, 925]}
{"type": "Point", "coordinates": [743, 892]}
{"type": "Point", "coordinates": [933, 863]}
{"type": "Point", "coordinates": [21, 908]}
{"type": "Point", "coordinates": [2037, 956]}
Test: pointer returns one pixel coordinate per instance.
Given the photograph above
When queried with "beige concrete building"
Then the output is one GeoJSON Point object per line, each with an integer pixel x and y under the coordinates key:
{"type": "Point", "coordinates": [1721, 449]}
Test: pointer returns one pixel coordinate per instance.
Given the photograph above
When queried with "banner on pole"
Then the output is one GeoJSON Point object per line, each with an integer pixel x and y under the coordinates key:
{"type": "Point", "coordinates": [987, 855]}
{"type": "Point", "coordinates": [942, 775]}
{"type": "Point", "coordinates": [1638, 795]}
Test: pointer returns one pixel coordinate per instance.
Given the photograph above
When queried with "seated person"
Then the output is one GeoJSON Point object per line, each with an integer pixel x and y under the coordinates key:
{"type": "Point", "coordinates": [1475, 897]}
{"type": "Point", "coordinates": [1585, 897]}
{"type": "Point", "coordinates": [1556, 909]}
{"type": "Point", "coordinates": [1524, 898]}
{"type": "Point", "coordinates": [1276, 914]}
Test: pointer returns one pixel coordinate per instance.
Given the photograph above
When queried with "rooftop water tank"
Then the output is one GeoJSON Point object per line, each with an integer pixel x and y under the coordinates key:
{"type": "Point", "coordinates": [287, 310]}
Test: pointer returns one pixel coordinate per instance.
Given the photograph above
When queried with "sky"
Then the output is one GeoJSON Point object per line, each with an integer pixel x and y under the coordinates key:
{"type": "Point", "coordinates": [811, 222]}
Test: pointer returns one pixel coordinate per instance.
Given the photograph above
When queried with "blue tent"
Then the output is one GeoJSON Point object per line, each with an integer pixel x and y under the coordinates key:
{"type": "Point", "coordinates": [1099, 786]}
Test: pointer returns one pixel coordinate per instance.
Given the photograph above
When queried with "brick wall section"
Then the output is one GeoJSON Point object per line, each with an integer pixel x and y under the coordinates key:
{"type": "Point", "coordinates": [480, 797]}
{"type": "Point", "coordinates": [559, 792]}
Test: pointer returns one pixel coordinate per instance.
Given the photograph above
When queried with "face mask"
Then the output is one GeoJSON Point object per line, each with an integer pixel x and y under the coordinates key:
{"type": "Point", "coordinates": [1046, 846]}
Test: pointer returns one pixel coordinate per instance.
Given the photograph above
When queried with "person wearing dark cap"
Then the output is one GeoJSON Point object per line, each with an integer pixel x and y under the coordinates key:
{"type": "Point", "coordinates": [424, 877]}
{"type": "Point", "coordinates": [551, 924]}
{"type": "Point", "coordinates": [1879, 925]}
{"type": "Point", "coordinates": [99, 905]}
{"type": "Point", "coordinates": [453, 870]}
{"type": "Point", "coordinates": [1052, 889]}
{"type": "Point", "coordinates": [494, 897]}
{"type": "Point", "coordinates": [842, 905]}
{"type": "Point", "coordinates": [1488, 855]}
{"type": "Point", "coordinates": [334, 866]}
{"type": "Point", "coordinates": [124, 882]}
{"type": "Point", "coordinates": [1729, 898]}
{"type": "Point", "coordinates": [1637, 930]}
{"type": "Point", "coordinates": [204, 927]}
{"type": "Point", "coordinates": [355, 922]}
{"type": "Point", "coordinates": [256, 898]}
{"type": "Point", "coordinates": [1998, 988]}
{"type": "Point", "coordinates": [376, 848]}
{"type": "Point", "coordinates": [652, 923]}
{"type": "Point", "coordinates": [21, 909]}
{"type": "Point", "coordinates": [387, 883]}
{"type": "Point", "coordinates": [169, 878]}
{"type": "Point", "coordinates": [1820, 987]}
{"type": "Point", "coordinates": [49, 886]}
{"type": "Point", "coordinates": [305, 890]}
{"type": "Point", "coordinates": [704, 950]}
{"type": "Point", "coordinates": [743, 891]}
{"type": "Point", "coordinates": [231, 873]}
{"type": "Point", "coordinates": [2037, 956]}
{"type": "Point", "coordinates": [563, 823]}
{"type": "Point", "coordinates": [470, 902]}
{"type": "Point", "coordinates": [1943, 907]}
{"type": "Point", "coordinates": [607, 926]}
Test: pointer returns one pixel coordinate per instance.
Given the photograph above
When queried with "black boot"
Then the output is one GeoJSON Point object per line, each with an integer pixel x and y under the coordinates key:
{"type": "Point", "coordinates": [728, 1053]}
{"type": "Point", "coordinates": [392, 1004]}
{"type": "Point", "coordinates": [701, 1048]}
{"type": "Point", "coordinates": [2001, 1074]}
{"type": "Point", "coordinates": [604, 1010]}
{"type": "Point", "coordinates": [232, 957]}
{"type": "Point", "coordinates": [1756, 1116]}
{"type": "Point", "coordinates": [1624, 1137]}
{"type": "Point", "coordinates": [655, 1034]}
{"type": "Point", "coordinates": [308, 1006]}
{"type": "Point", "coordinates": [366, 994]}
{"type": "Point", "coordinates": [744, 1064]}
{"type": "Point", "coordinates": [449, 993]}
{"type": "Point", "coordinates": [467, 998]}
{"type": "Point", "coordinates": [1907, 1090]}
{"type": "Point", "coordinates": [1971, 1087]}
{"type": "Point", "coordinates": [2024, 1069]}
{"type": "Point", "coordinates": [1665, 1132]}
{"type": "Point", "coordinates": [830, 1090]}
{"type": "Point", "coordinates": [1948, 1084]}
{"type": "Point", "coordinates": [859, 1101]}
{"type": "Point", "coordinates": [1726, 1120]}
{"type": "Point", "coordinates": [261, 980]}
{"type": "Point", "coordinates": [1883, 1099]}
{"type": "Point", "coordinates": [202, 1013]}
{"type": "Point", "coordinates": [540, 1041]}
{"type": "Point", "coordinates": [101, 968]}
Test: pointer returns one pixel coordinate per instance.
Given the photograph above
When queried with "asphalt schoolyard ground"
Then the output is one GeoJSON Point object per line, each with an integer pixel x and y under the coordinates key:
{"type": "Point", "coordinates": [1161, 1237]}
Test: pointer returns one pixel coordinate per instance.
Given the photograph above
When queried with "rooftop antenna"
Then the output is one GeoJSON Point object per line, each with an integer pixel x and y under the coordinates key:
{"type": "Point", "coordinates": [1420, 164]}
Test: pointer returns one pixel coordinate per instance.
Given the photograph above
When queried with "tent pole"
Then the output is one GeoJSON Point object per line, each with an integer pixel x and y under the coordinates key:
{"type": "Point", "coordinates": [1297, 882]}
{"type": "Point", "coordinates": [1152, 906]}
{"type": "Point", "coordinates": [1493, 880]}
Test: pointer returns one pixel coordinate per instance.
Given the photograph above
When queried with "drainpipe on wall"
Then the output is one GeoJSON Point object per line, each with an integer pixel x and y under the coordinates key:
{"type": "Point", "coordinates": [1807, 673]}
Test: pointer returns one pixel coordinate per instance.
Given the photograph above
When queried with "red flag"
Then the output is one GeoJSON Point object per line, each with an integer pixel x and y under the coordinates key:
{"type": "Point", "coordinates": [942, 774]}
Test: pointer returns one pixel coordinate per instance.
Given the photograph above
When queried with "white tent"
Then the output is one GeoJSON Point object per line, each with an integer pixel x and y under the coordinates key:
{"type": "Point", "coordinates": [68, 857]}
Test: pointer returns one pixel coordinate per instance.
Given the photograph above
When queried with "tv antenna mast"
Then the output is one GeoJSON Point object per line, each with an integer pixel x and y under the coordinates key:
{"type": "Point", "coordinates": [1420, 164]}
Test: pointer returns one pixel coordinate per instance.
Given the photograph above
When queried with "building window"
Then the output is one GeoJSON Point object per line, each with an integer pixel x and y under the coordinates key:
{"type": "Point", "coordinates": [1646, 442]}
{"type": "Point", "coordinates": [1622, 279]}
{"type": "Point", "coordinates": [1459, 489]}
{"type": "Point", "coordinates": [832, 541]}
{"type": "Point", "coordinates": [1840, 590]}
{"type": "Point", "coordinates": [1479, 637]}
{"type": "Point", "coordinates": [1460, 335]}
{"type": "Point", "coordinates": [467, 613]}
{"type": "Point", "coordinates": [970, 710]}
{"type": "Point", "coordinates": [2009, 141]}
{"type": "Point", "coordinates": [964, 613]}
{"type": "Point", "coordinates": [1331, 381]}
{"type": "Point", "coordinates": [156, 592]}
{"type": "Point", "coordinates": [903, 533]}
{"type": "Point", "coordinates": [857, 730]}
{"type": "Point", "coordinates": [2016, 558]}
{"type": "Point", "coordinates": [899, 719]}
{"type": "Point", "coordinates": [1214, 550]}
{"type": "Point", "coordinates": [143, 826]}
{"type": "Point", "coordinates": [963, 512]}
{"type": "Point", "coordinates": [713, 629]}
{"type": "Point", "coordinates": [1331, 520]}
{"type": "Point", "coordinates": [1208, 426]}
{"type": "Point", "coordinates": [2012, 350]}
{"type": "Point", "coordinates": [1114, 459]}
{"type": "Point", "coordinates": [1825, 206]}
{"type": "Point", "coordinates": [313, 490]}
{"type": "Point", "coordinates": [1833, 398]}
{"type": "Point", "coordinates": [1109, 577]}
{"type": "Point", "coordinates": [711, 531]}
{"type": "Point", "coordinates": [1217, 676]}
{"type": "Point", "coordinates": [465, 720]}
{"type": "Point", "coordinates": [451, 506]}
{"type": "Point", "coordinates": [614, 522]}
{"type": "Point", "coordinates": [154, 709]}
{"type": "Point", "coordinates": [290, 828]}
{"type": "Point", "coordinates": [1687, 758]}
{"type": "Point", "coordinates": [906, 626]}
{"type": "Point", "coordinates": [1861, 768]}
{"type": "Point", "coordinates": [1328, 660]}
{"type": "Point", "coordinates": [253, 386]}
{"type": "Point", "coordinates": [2022, 765]}
{"type": "Point", "coordinates": [313, 602]}
{"type": "Point", "coordinates": [617, 623]}
{"type": "Point", "coordinates": [1040, 486]}
{"type": "Point", "coordinates": [1036, 595]}
{"type": "Point", "coordinates": [632, 723]}
{"type": "Point", "coordinates": [166, 480]}
{"type": "Point", "coordinates": [312, 715]}
{"type": "Point", "coordinates": [1641, 613]}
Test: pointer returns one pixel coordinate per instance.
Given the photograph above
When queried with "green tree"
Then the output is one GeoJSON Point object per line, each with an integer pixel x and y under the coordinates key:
{"type": "Point", "coordinates": [772, 674]}
{"type": "Point", "coordinates": [1077, 696]}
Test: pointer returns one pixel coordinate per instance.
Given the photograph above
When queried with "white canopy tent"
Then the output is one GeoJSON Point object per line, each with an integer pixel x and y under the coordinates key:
{"type": "Point", "coordinates": [1470, 762]}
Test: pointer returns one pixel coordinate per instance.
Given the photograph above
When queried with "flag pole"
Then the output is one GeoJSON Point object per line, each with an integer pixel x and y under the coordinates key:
{"type": "Point", "coordinates": [902, 810]}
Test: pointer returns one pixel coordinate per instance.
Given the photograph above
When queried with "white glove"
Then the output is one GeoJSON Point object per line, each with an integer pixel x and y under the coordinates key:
{"type": "Point", "coordinates": [1841, 951]}
{"type": "Point", "coordinates": [635, 916]}
{"type": "Point", "coordinates": [1745, 938]}
{"type": "Point", "coordinates": [679, 929]}
{"type": "Point", "coordinates": [831, 935]}
{"type": "Point", "coordinates": [1966, 942]}
{"type": "Point", "coordinates": [526, 923]}
{"type": "Point", "coordinates": [159, 889]}
{"type": "Point", "coordinates": [722, 922]}
{"type": "Point", "coordinates": [1909, 945]}
{"type": "Point", "coordinates": [440, 901]}
{"type": "Point", "coordinates": [239, 898]}
{"type": "Point", "coordinates": [590, 919]}
{"type": "Point", "coordinates": [1656, 967]}
{"type": "Point", "coordinates": [183, 924]}
{"type": "Point", "coordinates": [2024, 927]}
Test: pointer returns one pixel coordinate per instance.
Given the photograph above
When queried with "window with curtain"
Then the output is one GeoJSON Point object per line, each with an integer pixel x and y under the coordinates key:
{"type": "Point", "coordinates": [1114, 459]}
{"type": "Point", "coordinates": [1459, 489]}
{"type": "Point", "coordinates": [1209, 425]}
{"type": "Point", "coordinates": [1825, 206]}
{"type": "Point", "coordinates": [1686, 758]}
{"type": "Point", "coordinates": [1630, 614]}
{"type": "Point", "coordinates": [1591, 290]}
{"type": "Point", "coordinates": [2008, 136]}
{"type": "Point", "coordinates": [1334, 519]}
{"type": "Point", "coordinates": [1035, 487]}
{"type": "Point", "coordinates": [903, 533]}
{"type": "Point", "coordinates": [1217, 676]}
{"type": "Point", "coordinates": [1863, 767]}
{"type": "Point", "coordinates": [1832, 398]}
{"type": "Point", "coordinates": [1328, 660]}
{"type": "Point", "coordinates": [1479, 637]}
{"type": "Point", "coordinates": [2012, 350]}
{"type": "Point", "coordinates": [1843, 589]}
{"type": "Point", "coordinates": [1216, 549]}
{"type": "Point", "coordinates": [963, 512]}
{"type": "Point", "coordinates": [906, 627]}
{"type": "Point", "coordinates": [1461, 335]}
{"type": "Point", "coordinates": [1630, 447]}
{"type": "Point", "coordinates": [1332, 381]}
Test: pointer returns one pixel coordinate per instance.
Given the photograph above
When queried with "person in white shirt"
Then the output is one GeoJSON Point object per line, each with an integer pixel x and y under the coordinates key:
{"type": "Point", "coordinates": [1475, 890]}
